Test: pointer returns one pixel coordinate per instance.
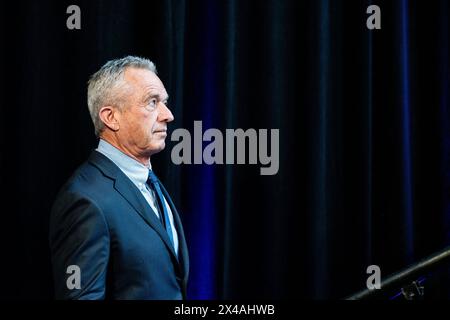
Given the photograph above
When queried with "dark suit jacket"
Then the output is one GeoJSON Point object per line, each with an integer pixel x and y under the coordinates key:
{"type": "Point", "coordinates": [101, 223]}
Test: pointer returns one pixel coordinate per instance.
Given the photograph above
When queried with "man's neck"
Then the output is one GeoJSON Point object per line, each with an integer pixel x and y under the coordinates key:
{"type": "Point", "coordinates": [141, 159]}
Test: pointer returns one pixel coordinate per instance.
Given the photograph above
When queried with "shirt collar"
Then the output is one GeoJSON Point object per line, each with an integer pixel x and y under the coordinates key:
{"type": "Point", "coordinates": [134, 170]}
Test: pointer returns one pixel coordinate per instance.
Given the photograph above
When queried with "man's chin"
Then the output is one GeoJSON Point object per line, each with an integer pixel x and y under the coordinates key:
{"type": "Point", "coordinates": [160, 147]}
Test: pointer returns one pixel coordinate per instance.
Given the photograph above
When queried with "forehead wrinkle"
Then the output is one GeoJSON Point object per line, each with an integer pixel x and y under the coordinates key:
{"type": "Point", "coordinates": [156, 91]}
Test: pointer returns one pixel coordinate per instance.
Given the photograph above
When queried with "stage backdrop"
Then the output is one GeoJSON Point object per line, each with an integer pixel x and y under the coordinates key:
{"type": "Point", "coordinates": [363, 117]}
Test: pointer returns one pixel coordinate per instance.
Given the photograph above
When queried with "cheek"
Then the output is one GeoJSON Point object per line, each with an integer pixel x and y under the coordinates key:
{"type": "Point", "coordinates": [147, 126]}
{"type": "Point", "coordinates": [141, 128]}
{"type": "Point", "coordinates": [136, 130]}
{"type": "Point", "coordinates": [150, 123]}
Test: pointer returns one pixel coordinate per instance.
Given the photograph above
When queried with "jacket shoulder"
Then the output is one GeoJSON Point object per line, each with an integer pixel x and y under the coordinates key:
{"type": "Point", "coordinates": [87, 181]}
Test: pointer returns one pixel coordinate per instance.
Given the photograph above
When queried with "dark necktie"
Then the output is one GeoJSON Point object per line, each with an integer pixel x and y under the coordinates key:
{"type": "Point", "coordinates": [153, 182]}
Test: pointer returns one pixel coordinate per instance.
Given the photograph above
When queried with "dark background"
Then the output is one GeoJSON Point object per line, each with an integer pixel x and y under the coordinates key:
{"type": "Point", "coordinates": [363, 115]}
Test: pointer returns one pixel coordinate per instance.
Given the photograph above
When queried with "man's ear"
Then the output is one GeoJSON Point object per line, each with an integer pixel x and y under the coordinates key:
{"type": "Point", "coordinates": [108, 115]}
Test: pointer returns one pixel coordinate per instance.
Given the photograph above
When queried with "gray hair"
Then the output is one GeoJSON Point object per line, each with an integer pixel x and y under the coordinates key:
{"type": "Point", "coordinates": [104, 86]}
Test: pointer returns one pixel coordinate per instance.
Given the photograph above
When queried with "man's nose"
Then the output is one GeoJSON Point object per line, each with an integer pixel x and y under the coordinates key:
{"type": "Point", "coordinates": [165, 115]}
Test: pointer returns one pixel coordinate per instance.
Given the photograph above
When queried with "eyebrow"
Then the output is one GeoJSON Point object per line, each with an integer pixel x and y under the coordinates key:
{"type": "Point", "coordinates": [152, 95]}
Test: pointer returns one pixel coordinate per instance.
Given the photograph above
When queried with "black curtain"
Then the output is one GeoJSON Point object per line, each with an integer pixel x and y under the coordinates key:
{"type": "Point", "coordinates": [363, 116]}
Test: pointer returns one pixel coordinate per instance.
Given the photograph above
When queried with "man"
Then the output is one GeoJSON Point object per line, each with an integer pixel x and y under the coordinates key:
{"type": "Point", "coordinates": [114, 231]}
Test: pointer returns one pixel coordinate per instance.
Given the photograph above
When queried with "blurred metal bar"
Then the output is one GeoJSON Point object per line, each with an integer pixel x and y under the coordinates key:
{"type": "Point", "coordinates": [405, 276]}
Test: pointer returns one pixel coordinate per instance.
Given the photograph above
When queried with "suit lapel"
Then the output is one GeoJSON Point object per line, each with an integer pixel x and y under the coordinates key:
{"type": "Point", "coordinates": [129, 191]}
{"type": "Point", "coordinates": [126, 188]}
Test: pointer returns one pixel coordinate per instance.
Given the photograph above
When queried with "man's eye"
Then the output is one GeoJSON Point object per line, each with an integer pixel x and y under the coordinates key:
{"type": "Point", "coordinates": [152, 103]}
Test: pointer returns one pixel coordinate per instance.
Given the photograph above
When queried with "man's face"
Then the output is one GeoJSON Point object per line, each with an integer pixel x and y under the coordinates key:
{"type": "Point", "coordinates": [144, 115]}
